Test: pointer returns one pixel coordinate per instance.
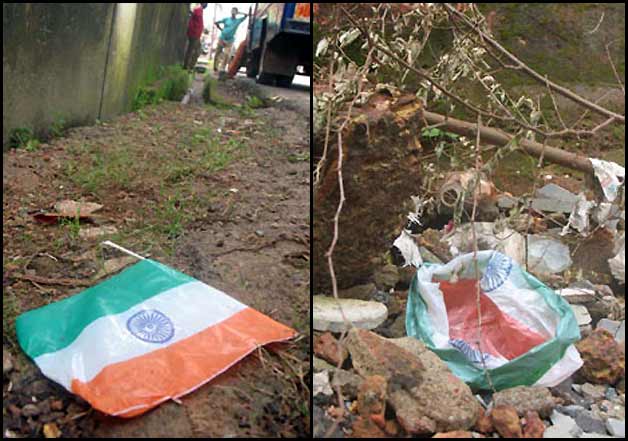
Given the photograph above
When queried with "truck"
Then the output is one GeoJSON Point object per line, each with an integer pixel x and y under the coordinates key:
{"type": "Point", "coordinates": [279, 43]}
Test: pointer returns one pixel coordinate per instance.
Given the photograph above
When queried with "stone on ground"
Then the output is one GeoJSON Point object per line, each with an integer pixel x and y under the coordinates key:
{"type": "Point", "coordinates": [347, 381]}
{"type": "Point", "coordinates": [616, 427]}
{"type": "Point", "coordinates": [525, 399]}
{"type": "Point", "coordinates": [327, 347]}
{"type": "Point", "coordinates": [603, 358]}
{"type": "Point", "coordinates": [425, 395]}
{"type": "Point", "coordinates": [7, 361]}
{"type": "Point", "coordinates": [563, 426]}
{"type": "Point", "coordinates": [321, 384]}
{"type": "Point", "coordinates": [506, 421]}
{"type": "Point", "coordinates": [582, 314]}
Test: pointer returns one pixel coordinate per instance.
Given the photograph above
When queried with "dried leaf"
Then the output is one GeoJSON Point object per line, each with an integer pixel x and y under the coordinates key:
{"type": "Point", "coordinates": [51, 431]}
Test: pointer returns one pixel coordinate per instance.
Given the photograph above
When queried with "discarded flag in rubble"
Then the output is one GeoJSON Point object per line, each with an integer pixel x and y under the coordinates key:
{"type": "Point", "coordinates": [144, 336]}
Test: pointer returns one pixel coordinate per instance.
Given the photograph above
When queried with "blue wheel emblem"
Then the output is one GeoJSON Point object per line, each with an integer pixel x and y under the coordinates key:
{"type": "Point", "coordinates": [151, 326]}
{"type": "Point", "coordinates": [496, 272]}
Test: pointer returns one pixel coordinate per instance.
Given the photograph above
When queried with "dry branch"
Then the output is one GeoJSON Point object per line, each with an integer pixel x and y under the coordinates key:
{"type": "Point", "coordinates": [497, 137]}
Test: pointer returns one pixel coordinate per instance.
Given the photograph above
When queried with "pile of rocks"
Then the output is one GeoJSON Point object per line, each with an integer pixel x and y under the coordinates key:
{"type": "Point", "coordinates": [392, 385]}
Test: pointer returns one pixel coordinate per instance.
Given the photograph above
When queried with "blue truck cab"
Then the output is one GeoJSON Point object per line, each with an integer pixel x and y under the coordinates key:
{"type": "Point", "coordinates": [279, 42]}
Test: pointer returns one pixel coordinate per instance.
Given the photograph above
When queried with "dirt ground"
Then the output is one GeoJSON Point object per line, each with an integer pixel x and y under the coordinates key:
{"type": "Point", "coordinates": [218, 192]}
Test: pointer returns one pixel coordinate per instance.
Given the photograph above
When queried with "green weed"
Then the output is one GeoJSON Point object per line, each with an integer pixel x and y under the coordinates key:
{"type": "Point", "coordinates": [57, 128]}
{"type": "Point", "coordinates": [169, 83]}
{"type": "Point", "coordinates": [255, 102]}
{"type": "Point", "coordinates": [299, 157]}
{"type": "Point", "coordinates": [20, 137]}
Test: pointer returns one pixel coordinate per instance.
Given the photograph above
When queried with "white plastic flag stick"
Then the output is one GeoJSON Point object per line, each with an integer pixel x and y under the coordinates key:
{"type": "Point", "coordinates": [124, 250]}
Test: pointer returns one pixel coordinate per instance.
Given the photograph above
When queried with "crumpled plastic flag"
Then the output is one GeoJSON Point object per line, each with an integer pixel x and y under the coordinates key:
{"type": "Point", "coordinates": [144, 336]}
{"type": "Point", "coordinates": [527, 330]}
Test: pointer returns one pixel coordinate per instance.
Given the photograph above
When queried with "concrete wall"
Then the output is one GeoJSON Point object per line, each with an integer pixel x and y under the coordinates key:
{"type": "Point", "coordinates": [82, 61]}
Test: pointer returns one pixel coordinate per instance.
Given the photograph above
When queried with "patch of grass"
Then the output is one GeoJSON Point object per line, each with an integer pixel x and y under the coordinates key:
{"type": "Point", "coordinates": [20, 137]}
{"type": "Point", "coordinates": [210, 96]}
{"type": "Point", "coordinates": [102, 171]}
{"type": "Point", "coordinates": [72, 226]}
{"type": "Point", "coordinates": [170, 83]}
{"type": "Point", "coordinates": [145, 96]}
{"type": "Point", "coordinates": [32, 145]}
{"type": "Point", "coordinates": [171, 216]}
{"type": "Point", "coordinates": [299, 157]}
{"type": "Point", "coordinates": [57, 128]}
{"type": "Point", "coordinates": [177, 173]}
{"type": "Point", "coordinates": [217, 156]}
{"type": "Point", "coordinates": [255, 102]}
{"type": "Point", "coordinates": [175, 83]}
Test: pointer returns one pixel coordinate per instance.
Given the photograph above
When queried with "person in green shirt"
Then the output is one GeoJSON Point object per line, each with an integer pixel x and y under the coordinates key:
{"type": "Point", "coordinates": [227, 37]}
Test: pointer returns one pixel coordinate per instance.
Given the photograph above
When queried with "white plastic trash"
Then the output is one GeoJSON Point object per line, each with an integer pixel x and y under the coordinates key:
{"type": "Point", "coordinates": [547, 256]}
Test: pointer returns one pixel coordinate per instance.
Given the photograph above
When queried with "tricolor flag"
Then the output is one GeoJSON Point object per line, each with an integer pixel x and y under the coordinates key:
{"type": "Point", "coordinates": [144, 336]}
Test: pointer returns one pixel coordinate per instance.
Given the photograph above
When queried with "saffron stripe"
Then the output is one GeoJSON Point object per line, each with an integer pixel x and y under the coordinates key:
{"type": "Point", "coordinates": [191, 308]}
{"type": "Point", "coordinates": [134, 386]}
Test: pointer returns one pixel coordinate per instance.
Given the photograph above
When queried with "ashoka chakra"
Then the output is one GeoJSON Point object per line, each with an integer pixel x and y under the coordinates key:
{"type": "Point", "coordinates": [151, 326]}
{"type": "Point", "coordinates": [496, 272]}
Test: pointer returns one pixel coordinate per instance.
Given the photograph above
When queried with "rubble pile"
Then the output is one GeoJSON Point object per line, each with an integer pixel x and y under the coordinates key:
{"type": "Point", "coordinates": [394, 385]}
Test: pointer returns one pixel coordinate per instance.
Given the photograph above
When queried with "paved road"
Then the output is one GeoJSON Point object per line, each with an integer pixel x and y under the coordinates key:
{"type": "Point", "coordinates": [296, 97]}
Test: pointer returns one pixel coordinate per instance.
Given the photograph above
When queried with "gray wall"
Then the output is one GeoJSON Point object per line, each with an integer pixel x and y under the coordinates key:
{"type": "Point", "coordinates": [82, 61]}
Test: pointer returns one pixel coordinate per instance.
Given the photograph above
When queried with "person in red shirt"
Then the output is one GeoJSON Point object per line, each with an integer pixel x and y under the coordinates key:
{"type": "Point", "coordinates": [195, 30]}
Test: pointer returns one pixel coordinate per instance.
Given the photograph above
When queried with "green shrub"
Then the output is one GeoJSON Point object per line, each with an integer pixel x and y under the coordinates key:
{"type": "Point", "coordinates": [175, 83]}
{"type": "Point", "coordinates": [255, 102]}
{"type": "Point", "coordinates": [57, 128]}
{"type": "Point", "coordinates": [21, 137]}
{"type": "Point", "coordinates": [172, 84]}
{"type": "Point", "coordinates": [144, 97]}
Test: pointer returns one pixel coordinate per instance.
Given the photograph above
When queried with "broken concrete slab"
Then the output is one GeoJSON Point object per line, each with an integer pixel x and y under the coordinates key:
{"type": "Point", "coordinates": [321, 384]}
{"type": "Point", "coordinates": [582, 314]}
{"type": "Point", "coordinates": [563, 426]}
{"type": "Point", "coordinates": [616, 427]}
{"type": "Point", "coordinates": [615, 327]}
{"type": "Point", "coordinates": [552, 205]}
{"type": "Point", "coordinates": [328, 314]}
{"type": "Point", "coordinates": [577, 296]}
{"type": "Point", "coordinates": [553, 191]}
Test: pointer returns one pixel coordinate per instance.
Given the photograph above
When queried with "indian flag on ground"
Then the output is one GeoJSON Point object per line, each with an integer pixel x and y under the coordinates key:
{"type": "Point", "coordinates": [144, 336]}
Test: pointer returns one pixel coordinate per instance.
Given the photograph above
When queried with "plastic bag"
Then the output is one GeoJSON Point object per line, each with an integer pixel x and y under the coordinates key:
{"type": "Point", "coordinates": [527, 329]}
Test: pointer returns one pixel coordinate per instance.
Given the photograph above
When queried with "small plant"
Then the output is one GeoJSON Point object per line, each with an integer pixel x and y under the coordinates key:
{"type": "Point", "coordinates": [175, 83]}
{"type": "Point", "coordinates": [57, 128]}
{"type": "Point", "coordinates": [20, 137]}
{"type": "Point", "coordinates": [32, 145]}
{"type": "Point", "coordinates": [169, 83]}
{"type": "Point", "coordinates": [299, 157]}
{"type": "Point", "coordinates": [172, 217]}
{"type": "Point", "coordinates": [178, 173]}
{"type": "Point", "coordinates": [144, 97]}
{"type": "Point", "coordinates": [436, 133]}
{"type": "Point", "coordinates": [73, 226]}
{"type": "Point", "coordinates": [255, 102]}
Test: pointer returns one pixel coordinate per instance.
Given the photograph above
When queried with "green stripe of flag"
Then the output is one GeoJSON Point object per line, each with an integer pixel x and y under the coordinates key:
{"type": "Point", "coordinates": [54, 326]}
